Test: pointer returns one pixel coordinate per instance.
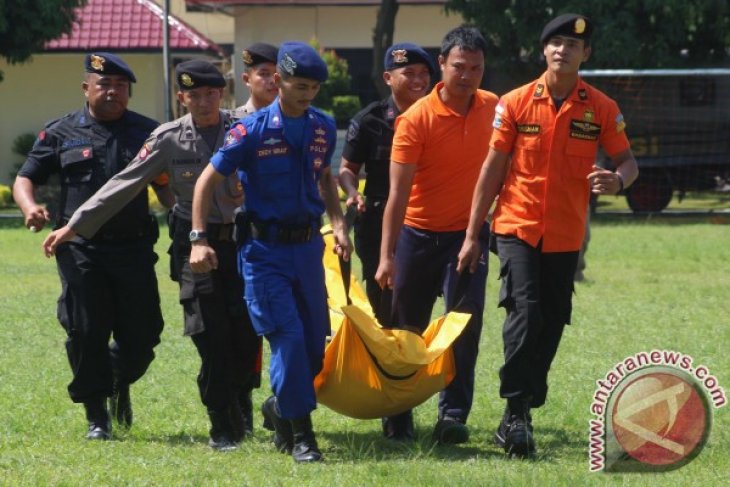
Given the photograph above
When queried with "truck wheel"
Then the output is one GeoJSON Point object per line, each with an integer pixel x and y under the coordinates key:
{"type": "Point", "coordinates": [651, 192]}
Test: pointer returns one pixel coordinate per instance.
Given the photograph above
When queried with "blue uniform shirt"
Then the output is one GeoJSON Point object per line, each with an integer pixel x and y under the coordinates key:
{"type": "Point", "coordinates": [280, 177]}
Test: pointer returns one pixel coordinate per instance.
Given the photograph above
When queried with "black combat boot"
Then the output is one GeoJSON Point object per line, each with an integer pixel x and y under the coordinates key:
{"type": "Point", "coordinates": [100, 425]}
{"type": "Point", "coordinates": [399, 427]}
{"type": "Point", "coordinates": [305, 445]}
{"type": "Point", "coordinates": [514, 432]}
{"type": "Point", "coordinates": [283, 436]}
{"type": "Point", "coordinates": [221, 431]}
{"type": "Point", "coordinates": [120, 404]}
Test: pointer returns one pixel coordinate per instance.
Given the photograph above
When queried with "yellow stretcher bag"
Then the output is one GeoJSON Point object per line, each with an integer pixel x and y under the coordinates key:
{"type": "Point", "coordinates": [371, 372]}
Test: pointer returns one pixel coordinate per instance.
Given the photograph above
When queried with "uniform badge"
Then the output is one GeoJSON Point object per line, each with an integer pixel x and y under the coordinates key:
{"type": "Point", "coordinates": [97, 62]}
{"type": "Point", "coordinates": [188, 174]}
{"type": "Point", "coordinates": [42, 135]}
{"type": "Point", "coordinates": [539, 90]}
{"type": "Point", "coordinates": [143, 152]}
{"type": "Point", "coordinates": [247, 59]}
{"type": "Point", "coordinates": [320, 131]}
{"type": "Point", "coordinates": [186, 80]}
{"type": "Point", "coordinates": [582, 94]}
{"type": "Point", "coordinates": [400, 56]}
{"type": "Point", "coordinates": [588, 116]}
{"type": "Point", "coordinates": [288, 64]}
{"type": "Point", "coordinates": [86, 153]}
{"type": "Point", "coordinates": [580, 26]}
{"type": "Point", "coordinates": [271, 141]}
{"type": "Point", "coordinates": [620, 124]}
{"type": "Point", "coordinates": [317, 163]}
{"type": "Point", "coordinates": [352, 131]}
{"type": "Point", "coordinates": [497, 123]}
{"type": "Point", "coordinates": [320, 140]}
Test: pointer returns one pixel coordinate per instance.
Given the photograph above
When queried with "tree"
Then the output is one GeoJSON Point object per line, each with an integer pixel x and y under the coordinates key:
{"type": "Point", "coordinates": [334, 94]}
{"type": "Point", "coordinates": [26, 25]}
{"type": "Point", "coordinates": [629, 33]}
{"type": "Point", "coordinates": [382, 39]}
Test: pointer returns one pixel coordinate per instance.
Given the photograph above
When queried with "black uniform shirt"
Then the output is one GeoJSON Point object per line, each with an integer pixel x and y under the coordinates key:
{"type": "Point", "coordinates": [369, 141]}
{"type": "Point", "coordinates": [86, 153]}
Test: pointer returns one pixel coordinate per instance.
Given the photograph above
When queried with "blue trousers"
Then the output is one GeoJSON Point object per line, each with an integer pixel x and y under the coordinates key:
{"type": "Point", "coordinates": [425, 266]}
{"type": "Point", "coordinates": [287, 301]}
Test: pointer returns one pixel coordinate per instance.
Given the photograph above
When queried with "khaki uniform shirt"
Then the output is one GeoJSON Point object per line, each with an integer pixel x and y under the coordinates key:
{"type": "Point", "coordinates": [244, 110]}
{"type": "Point", "coordinates": [174, 148]}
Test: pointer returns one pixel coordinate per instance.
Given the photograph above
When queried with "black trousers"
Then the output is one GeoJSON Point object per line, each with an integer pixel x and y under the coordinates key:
{"type": "Point", "coordinates": [217, 321]}
{"type": "Point", "coordinates": [368, 234]}
{"type": "Point", "coordinates": [536, 293]}
{"type": "Point", "coordinates": [109, 290]}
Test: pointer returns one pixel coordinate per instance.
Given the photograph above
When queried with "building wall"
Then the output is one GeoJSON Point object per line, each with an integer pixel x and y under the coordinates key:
{"type": "Point", "coordinates": [333, 27]}
{"type": "Point", "coordinates": [216, 26]}
{"type": "Point", "coordinates": [50, 86]}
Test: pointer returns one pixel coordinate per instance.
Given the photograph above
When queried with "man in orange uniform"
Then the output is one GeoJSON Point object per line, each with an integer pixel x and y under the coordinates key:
{"type": "Point", "coordinates": [551, 129]}
{"type": "Point", "coordinates": [438, 148]}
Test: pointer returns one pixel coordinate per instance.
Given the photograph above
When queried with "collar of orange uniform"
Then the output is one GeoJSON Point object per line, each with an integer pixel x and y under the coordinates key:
{"type": "Point", "coordinates": [579, 93]}
{"type": "Point", "coordinates": [442, 109]}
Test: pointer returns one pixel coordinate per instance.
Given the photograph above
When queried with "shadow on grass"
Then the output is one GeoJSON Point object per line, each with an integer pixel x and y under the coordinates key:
{"type": "Point", "coordinates": [179, 439]}
{"type": "Point", "coordinates": [553, 445]}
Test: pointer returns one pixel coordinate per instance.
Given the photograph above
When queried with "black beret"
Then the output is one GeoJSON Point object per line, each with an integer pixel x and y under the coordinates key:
{"type": "Point", "coordinates": [258, 53]}
{"type": "Point", "coordinates": [569, 25]}
{"type": "Point", "coordinates": [197, 73]}
{"type": "Point", "coordinates": [107, 63]}
{"type": "Point", "coordinates": [300, 59]}
{"type": "Point", "coordinates": [404, 54]}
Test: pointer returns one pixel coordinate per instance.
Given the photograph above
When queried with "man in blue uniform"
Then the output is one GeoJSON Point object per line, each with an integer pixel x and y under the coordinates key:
{"type": "Point", "coordinates": [108, 282]}
{"type": "Point", "coordinates": [408, 72]}
{"type": "Point", "coordinates": [283, 154]}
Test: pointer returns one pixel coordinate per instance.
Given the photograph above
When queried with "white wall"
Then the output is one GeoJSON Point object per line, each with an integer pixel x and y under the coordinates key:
{"type": "Point", "coordinates": [334, 27]}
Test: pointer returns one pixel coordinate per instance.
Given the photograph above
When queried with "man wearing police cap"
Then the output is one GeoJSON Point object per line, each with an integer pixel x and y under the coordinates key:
{"type": "Point", "coordinates": [214, 312]}
{"type": "Point", "coordinates": [283, 154]}
{"type": "Point", "coordinates": [258, 76]}
{"type": "Point", "coordinates": [408, 71]}
{"type": "Point", "coordinates": [543, 149]}
{"type": "Point", "coordinates": [108, 281]}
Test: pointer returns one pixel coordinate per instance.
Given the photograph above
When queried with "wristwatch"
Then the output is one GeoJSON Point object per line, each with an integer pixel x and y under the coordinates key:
{"type": "Point", "coordinates": [197, 235]}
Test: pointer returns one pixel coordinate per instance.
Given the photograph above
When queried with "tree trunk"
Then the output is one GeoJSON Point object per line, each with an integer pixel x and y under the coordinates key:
{"type": "Point", "coordinates": [382, 39]}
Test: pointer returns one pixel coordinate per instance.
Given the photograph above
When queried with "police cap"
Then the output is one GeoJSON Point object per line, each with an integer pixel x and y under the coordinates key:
{"type": "Point", "coordinates": [258, 53]}
{"type": "Point", "coordinates": [300, 59]}
{"type": "Point", "coordinates": [569, 25]}
{"type": "Point", "coordinates": [107, 63]}
{"type": "Point", "coordinates": [404, 54]}
{"type": "Point", "coordinates": [196, 73]}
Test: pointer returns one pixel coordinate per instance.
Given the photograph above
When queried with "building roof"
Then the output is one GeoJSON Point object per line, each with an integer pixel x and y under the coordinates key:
{"type": "Point", "coordinates": [191, 4]}
{"type": "Point", "coordinates": [128, 25]}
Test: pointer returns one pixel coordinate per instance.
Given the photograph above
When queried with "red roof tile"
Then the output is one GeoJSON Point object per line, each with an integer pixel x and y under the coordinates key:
{"type": "Point", "coordinates": [128, 25]}
{"type": "Point", "coordinates": [314, 3]}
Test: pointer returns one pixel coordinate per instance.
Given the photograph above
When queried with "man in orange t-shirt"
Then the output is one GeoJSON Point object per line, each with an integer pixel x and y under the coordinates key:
{"type": "Point", "coordinates": [550, 130]}
{"type": "Point", "coordinates": [438, 148]}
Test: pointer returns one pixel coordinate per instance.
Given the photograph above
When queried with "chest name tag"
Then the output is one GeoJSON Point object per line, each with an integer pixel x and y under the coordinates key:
{"type": "Point", "coordinates": [580, 129]}
{"type": "Point", "coordinates": [530, 128]}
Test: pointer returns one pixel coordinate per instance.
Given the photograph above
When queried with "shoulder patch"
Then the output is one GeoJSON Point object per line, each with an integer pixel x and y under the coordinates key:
{"type": "Point", "coordinates": [353, 130]}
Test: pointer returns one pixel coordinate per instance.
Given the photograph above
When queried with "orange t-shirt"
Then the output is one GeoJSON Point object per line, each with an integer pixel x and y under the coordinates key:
{"type": "Point", "coordinates": [546, 191]}
{"type": "Point", "coordinates": [449, 150]}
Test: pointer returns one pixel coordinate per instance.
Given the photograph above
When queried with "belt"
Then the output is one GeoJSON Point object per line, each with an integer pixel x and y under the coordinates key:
{"type": "Point", "coordinates": [221, 232]}
{"type": "Point", "coordinates": [284, 233]}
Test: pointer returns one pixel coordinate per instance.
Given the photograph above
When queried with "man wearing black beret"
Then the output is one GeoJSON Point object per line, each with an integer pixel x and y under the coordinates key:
{"type": "Point", "coordinates": [541, 163]}
{"type": "Point", "coordinates": [407, 72]}
{"type": "Point", "coordinates": [215, 315]}
{"type": "Point", "coordinates": [109, 286]}
{"type": "Point", "coordinates": [258, 76]}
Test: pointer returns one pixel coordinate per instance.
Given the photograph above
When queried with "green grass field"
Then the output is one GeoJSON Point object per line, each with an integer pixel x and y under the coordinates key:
{"type": "Point", "coordinates": [651, 284]}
